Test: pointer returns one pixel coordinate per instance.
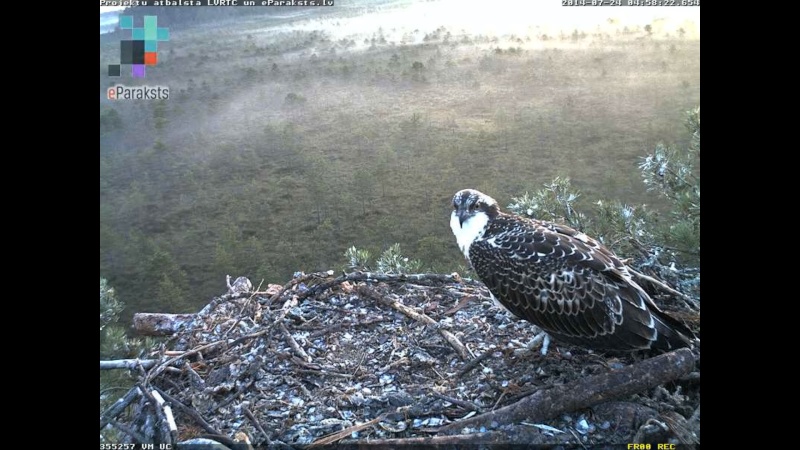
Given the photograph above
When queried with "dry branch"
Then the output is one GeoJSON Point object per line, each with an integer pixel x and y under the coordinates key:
{"type": "Point", "coordinates": [221, 299]}
{"type": "Point", "coordinates": [392, 301]}
{"type": "Point", "coordinates": [127, 430]}
{"type": "Point", "coordinates": [195, 378]}
{"type": "Point", "coordinates": [173, 428]}
{"type": "Point", "coordinates": [256, 424]}
{"type": "Point", "coordinates": [585, 392]}
{"type": "Point", "coordinates": [160, 368]}
{"type": "Point", "coordinates": [387, 278]}
{"type": "Point", "coordinates": [209, 365]}
{"type": "Point", "coordinates": [189, 411]}
{"type": "Point", "coordinates": [325, 372]}
{"type": "Point", "coordinates": [473, 363]}
{"type": "Point", "coordinates": [114, 410]}
{"type": "Point", "coordinates": [160, 324]}
{"type": "Point", "coordinates": [689, 300]}
{"type": "Point", "coordinates": [161, 427]}
{"type": "Point", "coordinates": [331, 438]}
{"type": "Point", "coordinates": [469, 406]}
{"type": "Point", "coordinates": [521, 438]}
{"type": "Point", "coordinates": [298, 350]}
{"type": "Point", "coordinates": [130, 364]}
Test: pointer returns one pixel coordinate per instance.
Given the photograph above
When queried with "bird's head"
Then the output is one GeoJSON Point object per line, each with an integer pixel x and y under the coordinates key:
{"type": "Point", "coordinates": [469, 203]}
{"type": "Point", "coordinates": [472, 210]}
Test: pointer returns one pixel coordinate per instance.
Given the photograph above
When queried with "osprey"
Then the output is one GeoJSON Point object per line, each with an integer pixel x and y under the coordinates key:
{"type": "Point", "coordinates": [560, 279]}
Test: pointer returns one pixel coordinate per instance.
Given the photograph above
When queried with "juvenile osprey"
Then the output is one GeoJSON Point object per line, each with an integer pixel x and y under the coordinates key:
{"type": "Point", "coordinates": [560, 279]}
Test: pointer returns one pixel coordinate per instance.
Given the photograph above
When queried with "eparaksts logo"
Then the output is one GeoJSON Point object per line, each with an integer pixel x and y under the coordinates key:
{"type": "Point", "coordinates": [121, 92]}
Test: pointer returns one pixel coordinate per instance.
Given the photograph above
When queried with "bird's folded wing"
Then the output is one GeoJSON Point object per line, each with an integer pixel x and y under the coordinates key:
{"type": "Point", "coordinates": [561, 280]}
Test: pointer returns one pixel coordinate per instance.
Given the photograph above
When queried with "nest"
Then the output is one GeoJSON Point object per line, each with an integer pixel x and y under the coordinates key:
{"type": "Point", "coordinates": [379, 359]}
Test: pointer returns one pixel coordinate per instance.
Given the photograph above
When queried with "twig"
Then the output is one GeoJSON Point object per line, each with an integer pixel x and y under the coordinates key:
{"type": "Point", "coordinates": [161, 425]}
{"type": "Point", "coordinates": [221, 299]}
{"type": "Point", "coordinates": [347, 324]}
{"type": "Point", "coordinates": [298, 350]}
{"type": "Point", "coordinates": [241, 339]}
{"type": "Point", "coordinates": [240, 389]}
{"type": "Point", "coordinates": [473, 363]}
{"type": "Point", "coordinates": [118, 406]}
{"type": "Point", "coordinates": [392, 301]}
{"type": "Point", "coordinates": [296, 281]}
{"type": "Point", "coordinates": [160, 368]}
{"type": "Point", "coordinates": [331, 438]}
{"type": "Point", "coordinates": [324, 372]}
{"type": "Point", "coordinates": [455, 343]}
{"type": "Point", "coordinates": [138, 437]}
{"type": "Point", "coordinates": [113, 388]}
{"type": "Point", "coordinates": [385, 277]}
{"type": "Point", "coordinates": [299, 384]}
{"type": "Point", "coordinates": [189, 411]}
{"type": "Point", "coordinates": [393, 364]}
{"type": "Point", "coordinates": [239, 316]}
{"type": "Point", "coordinates": [460, 305]}
{"type": "Point", "coordinates": [586, 391]}
{"type": "Point", "coordinates": [577, 438]}
{"type": "Point", "coordinates": [469, 406]}
{"type": "Point", "coordinates": [256, 424]}
{"type": "Point", "coordinates": [665, 287]}
{"type": "Point", "coordinates": [360, 362]}
{"type": "Point", "coordinates": [161, 324]}
{"type": "Point", "coordinates": [499, 399]}
{"type": "Point", "coordinates": [490, 439]}
{"type": "Point", "coordinates": [173, 428]}
{"type": "Point", "coordinates": [195, 378]}
{"type": "Point", "coordinates": [303, 364]}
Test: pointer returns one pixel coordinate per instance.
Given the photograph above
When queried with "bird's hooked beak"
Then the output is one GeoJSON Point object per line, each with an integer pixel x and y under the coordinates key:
{"type": "Point", "coordinates": [463, 214]}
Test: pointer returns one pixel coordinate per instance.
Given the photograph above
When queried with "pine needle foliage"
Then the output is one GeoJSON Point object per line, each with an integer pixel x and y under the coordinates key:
{"type": "Point", "coordinates": [393, 261]}
{"type": "Point", "coordinates": [390, 261]}
{"type": "Point", "coordinates": [666, 245]}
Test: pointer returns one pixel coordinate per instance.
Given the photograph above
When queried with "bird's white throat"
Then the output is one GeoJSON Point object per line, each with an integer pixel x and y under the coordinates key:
{"type": "Point", "coordinates": [470, 230]}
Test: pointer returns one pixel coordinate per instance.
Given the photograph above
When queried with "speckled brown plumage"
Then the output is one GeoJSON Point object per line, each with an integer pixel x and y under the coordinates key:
{"type": "Point", "coordinates": [567, 283]}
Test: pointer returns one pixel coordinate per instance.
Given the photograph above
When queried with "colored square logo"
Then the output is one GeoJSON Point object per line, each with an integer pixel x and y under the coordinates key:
{"type": "Point", "coordinates": [131, 52]}
{"type": "Point", "coordinates": [142, 48]}
{"type": "Point", "coordinates": [150, 27]}
{"type": "Point", "coordinates": [137, 70]}
{"type": "Point", "coordinates": [126, 22]}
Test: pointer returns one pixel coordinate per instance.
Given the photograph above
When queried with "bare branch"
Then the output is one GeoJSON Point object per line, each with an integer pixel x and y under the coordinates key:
{"type": "Point", "coordinates": [585, 392]}
{"type": "Point", "coordinates": [189, 411]}
{"type": "Point", "coordinates": [119, 405]}
{"type": "Point", "coordinates": [665, 287]}
{"type": "Point", "coordinates": [130, 364]}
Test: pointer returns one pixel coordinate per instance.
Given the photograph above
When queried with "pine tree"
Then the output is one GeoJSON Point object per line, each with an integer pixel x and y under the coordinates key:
{"type": "Point", "coordinates": [664, 246]}
{"type": "Point", "coordinates": [115, 344]}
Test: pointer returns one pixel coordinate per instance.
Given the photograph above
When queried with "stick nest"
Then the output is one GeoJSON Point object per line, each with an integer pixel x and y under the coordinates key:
{"type": "Point", "coordinates": [386, 360]}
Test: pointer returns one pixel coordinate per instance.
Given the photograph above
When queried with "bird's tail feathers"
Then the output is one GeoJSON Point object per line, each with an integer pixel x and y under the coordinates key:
{"type": "Point", "coordinates": [672, 334]}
